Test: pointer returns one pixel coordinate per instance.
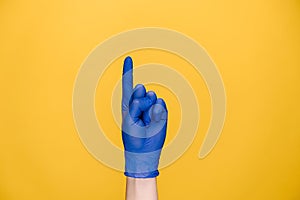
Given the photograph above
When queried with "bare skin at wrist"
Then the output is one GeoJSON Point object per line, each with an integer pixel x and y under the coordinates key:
{"type": "Point", "coordinates": [141, 189]}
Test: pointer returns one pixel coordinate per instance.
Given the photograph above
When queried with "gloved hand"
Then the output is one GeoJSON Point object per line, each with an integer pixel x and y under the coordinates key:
{"type": "Point", "coordinates": [144, 125]}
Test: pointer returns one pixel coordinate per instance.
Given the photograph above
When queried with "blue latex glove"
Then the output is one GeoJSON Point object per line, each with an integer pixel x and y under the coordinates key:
{"type": "Point", "coordinates": [144, 125]}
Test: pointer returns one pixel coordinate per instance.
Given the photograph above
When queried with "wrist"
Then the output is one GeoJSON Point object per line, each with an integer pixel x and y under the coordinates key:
{"type": "Point", "coordinates": [139, 188]}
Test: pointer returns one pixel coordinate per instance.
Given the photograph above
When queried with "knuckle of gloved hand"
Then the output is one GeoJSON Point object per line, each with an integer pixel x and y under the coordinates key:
{"type": "Point", "coordinates": [135, 102]}
{"type": "Point", "coordinates": [151, 93]}
{"type": "Point", "coordinates": [157, 109]}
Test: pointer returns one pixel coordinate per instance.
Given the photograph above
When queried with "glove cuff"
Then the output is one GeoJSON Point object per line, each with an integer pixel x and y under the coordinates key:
{"type": "Point", "coordinates": [142, 165]}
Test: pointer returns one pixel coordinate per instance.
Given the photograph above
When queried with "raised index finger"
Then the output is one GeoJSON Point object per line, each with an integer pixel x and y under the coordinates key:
{"type": "Point", "coordinates": [127, 82]}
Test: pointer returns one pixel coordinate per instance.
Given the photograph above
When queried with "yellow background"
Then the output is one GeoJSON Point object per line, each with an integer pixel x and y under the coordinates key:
{"type": "Point", "coordinates": [255, 45]}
